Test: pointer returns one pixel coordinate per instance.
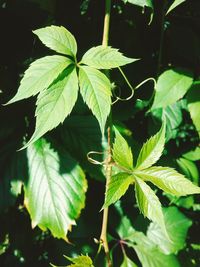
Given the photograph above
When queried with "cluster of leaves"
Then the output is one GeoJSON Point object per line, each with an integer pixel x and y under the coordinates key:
{"type": "Point", "coordinates": [50, 175]}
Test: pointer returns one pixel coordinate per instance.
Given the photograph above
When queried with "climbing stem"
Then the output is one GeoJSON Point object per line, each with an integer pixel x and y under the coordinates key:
{"type": "Point", "coordinates": [108, 165]}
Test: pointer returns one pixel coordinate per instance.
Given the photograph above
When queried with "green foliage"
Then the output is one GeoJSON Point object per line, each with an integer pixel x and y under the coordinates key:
{"type": "Point", "coordinates": [95, 89]}
{"type": "Point", "coordinates": [54, 194]}
{"type": "Point", "coordinates": [177, 226]}
{"type": "Point", "coordinates": [84, 103]}
{"type": "Point", "coordinates": [80, 261]}
{"type": "Point", "coordinates": [101, 57]}
{"type": "Point", "coordinates": [171, 86]}
{"type": "Point", "coordinates": [174, 5]}
{"type": "Point", "coordinates": [58, 39]}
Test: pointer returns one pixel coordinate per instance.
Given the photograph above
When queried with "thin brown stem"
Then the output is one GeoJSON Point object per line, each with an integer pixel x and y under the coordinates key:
{"type": "Point", "coordinates": [103, 236]}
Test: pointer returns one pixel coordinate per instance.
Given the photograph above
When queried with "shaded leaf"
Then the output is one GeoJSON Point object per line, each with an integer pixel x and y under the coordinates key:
{"type": "Point", "coordinates": [171, 86]}
{"type": "Point", "coordinates": [55, 104]}
{"type": "Point", "coordinates": [117, 187]}
{"type": "Point", "coordinates": [177, 226]}
{"type": "Point", "coordinates": [189, 169]}
{"type": "Point", "coordinates": [95, 89]}
{"type": "Point", "coordinates": [58, 38]}
{"type": "Point", "coordinates": [151, 150]}
{"type": "Point", "coordinates": [169, 180]}
{"type": "Point", "coordinates": [55, 193]}
{"type": "Point", "coordinates": [193, 155]}
{"type": "Point", "coordinates": [40, 75]}
{"type": "Point", "coordinates": [102, 57]}
{"type": "Point", "coordinates": [122, 153]}
{"type": "Point", "coordinates": [193, 99]}
{"type": "Point", "coordinates": [149, 203]}
{"type": "Point", "coordinates": [141, 3]}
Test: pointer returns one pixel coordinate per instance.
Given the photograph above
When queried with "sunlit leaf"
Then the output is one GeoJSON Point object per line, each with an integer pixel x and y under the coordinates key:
{"type": "Point", "coordinates": [169, 180]}
{"type": "Point", "coordinates": [55, 104]}
{"type": "Point", "coordinates": [174, 5]}
{"type": "Point", "coordinates": [95, 89]}
{"type": "Point", "coordinates": [149, 204]}
{"type": "Point", "coordinates": [151, 150]}
{"type": "Point", "coordinates": [40, 75]}
{"type": "Point", "coordinates": [101, 57]}
{"type": "Point", "coordinates": [55, 191]}
{"type": "Point", "coordinates": [171, 86]}
{"type": "Point", "coordinates": [117, 187]}
{"type": "Point", "coordinates": [122, 153]}
{"type": "Point", "coordinates": [58, 38]}
{"type": "Point", "coordinates": [128, 262]}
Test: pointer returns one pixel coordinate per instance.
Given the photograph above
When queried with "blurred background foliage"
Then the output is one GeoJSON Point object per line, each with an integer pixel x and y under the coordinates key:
{"type": "Point", "coordinates": [167, 42]}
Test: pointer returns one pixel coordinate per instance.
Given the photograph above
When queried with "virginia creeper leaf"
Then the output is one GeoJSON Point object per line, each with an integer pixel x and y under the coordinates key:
{"type": "Point", "coordinates": [189, 169]}
{"type": "Point", "coordinates": [117, 187]}
{"type": "Point", "coordinates": [174, 5]}
{"type": "Point", "coordinates": [152, 257]}
{"type": "Point", "coordinates": [40, 75]}
{"type": "Point", "coordinates": [171, 86]}
{"type": "Point", "coordinates": [122, 153]}
{"type": "Point", "coordinates": [80, 261]}
{"type": "Point", "coordinates": [141, 3]}
{"type": "Point", "coordinates": [193, 155]}
{"type": "Point", "coordinates": [54, 194]}
{"type": "Point", "coordinates": [151, 150]}
{"type": "Point", "coordinates": [95, 89]}
{"type": "Point", "coordinates": [58, 38]}
{"type": "Point", "coordinates": [193, 99]}
{"type": "Point", "coordinates": [128, 262]}
{"type": "Point", "coordinates": [55, 104]}
{"type": "Point", "coordinates": [177, 226]}
{"type": "Point", "coordinates": [169, 180]}
{"type": "Point", "coordinates": [101, 57]}
{"type": "Point", "coordinates": [149, 204]}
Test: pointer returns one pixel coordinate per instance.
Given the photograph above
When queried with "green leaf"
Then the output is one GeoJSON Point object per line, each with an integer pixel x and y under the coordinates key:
{"type": "Point", "coordinates": [174, 5]}
{"type": "Point", "coordinates": [151, 150]}
{"type": "Point", "coordinates": [127, 262]}
{"type": "Point", "coordinates": [40, 75]}
{"type": "Point", "coordinates": [55, 191]}
{"type": "Point", "coordinates": [189, 169]}
{"type": "Point", "coordinates": [80, 261]}
{"type": "Point", "coordinates": [125, 229]}
{"type": "Point", "coordinates": [58, 38]}
{"type": "Point", "coordinates": [55, 104]}
{"type": "Point", "coordinates": [149, 204]}
{"type": "Point", "coordinates": [95, 89]}
{"type": "Point", "coordinates": [177, 226]}
{"type": "Point", "coordinates": [141, 3]}
{"type": "Point", "coordinates": [117, 187]}
{"type": "Point", "coordinates": [193, 99]}
{"type": "Point", "coordinates": [122, 153]}
{"type": "Point", "coordinates": [193, 155]}
{"type": "Point", "coordinates": [152, 257]}
{"type": "Point", "coordinates": [171, 86]}
{"type": "Point", "coordinates": [169, 181]}
{"type": "Point", "coordinates": [101, 57]}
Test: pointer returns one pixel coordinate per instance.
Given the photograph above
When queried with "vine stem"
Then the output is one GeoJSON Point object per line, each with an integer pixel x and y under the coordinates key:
{"type": "Point", "coordinates": [103, 236]}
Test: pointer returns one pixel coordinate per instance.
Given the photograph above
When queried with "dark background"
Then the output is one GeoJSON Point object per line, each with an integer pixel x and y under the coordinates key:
{"type": "Point", "coordinates": [130, 33]}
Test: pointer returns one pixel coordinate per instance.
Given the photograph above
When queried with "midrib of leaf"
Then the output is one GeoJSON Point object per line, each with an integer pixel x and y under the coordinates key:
{"type": "Point", "coordinates": [96, 98]}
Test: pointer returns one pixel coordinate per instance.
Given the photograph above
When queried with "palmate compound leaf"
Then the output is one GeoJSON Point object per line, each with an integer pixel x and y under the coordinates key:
{"type": "Point", "coordinates": [149, 204]}
{"type": "Point", "coordinates": [177, 226]}
{"type": "Point", "coordinates": [95, 89]}
{"type": "Point", "coordinates": [151, 150]}
{"type": "Point", "coordinates": [58, 38]}
{"type": "Point", "coordinates": [117, 187]}
{"type": "Point", "coordinates": [122, 153]}
{"type": "Point", "coordinates": [54, 194]}
{"type": "Point", "coordinates": [40, 75]}
{"type": "Point", "coordinates": [101, 57]}
{"type": "Point", "coordinates": [55, 103]}
{"type": "Point", "coordinates": [169, 180]}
